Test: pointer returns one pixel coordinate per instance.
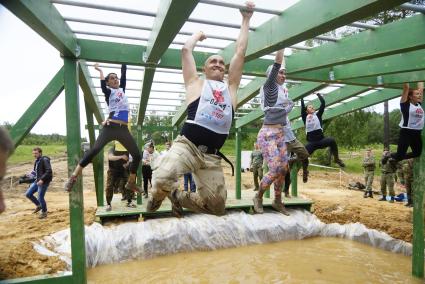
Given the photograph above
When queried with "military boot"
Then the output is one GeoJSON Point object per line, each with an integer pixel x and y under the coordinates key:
{"type": "Point", "coordinates": [258, 204]}
{"type": "Point", "coordinates": [278, 206]}
{"type": "Point", "coordinates": [365, 194]}
{"type": "Point", "coordinates": [370, 194]}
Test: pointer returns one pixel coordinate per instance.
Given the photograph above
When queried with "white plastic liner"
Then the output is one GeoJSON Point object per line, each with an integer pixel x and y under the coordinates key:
{"type": "Point", "coordinates": [117, 243]}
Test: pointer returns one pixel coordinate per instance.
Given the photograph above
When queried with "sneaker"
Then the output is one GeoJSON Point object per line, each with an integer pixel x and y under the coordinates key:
{"type": "Point", "coordinates": [256, 189]}
{"type": "Point", "coordinates": [176, 208]}
{"type": "Point", "coordinates": [305, 176]}
{"type": "Point", "coordinates": [131, 205]}
{"type": "Point", "coordinates": [108, 208]}
{"type": "Point", "coordinates": [391, 200]}
{"type": "Point", "coordinates": [42, 215]}
{"type": "Point", "coordinates": [409, 205]}
{"type": "Point", "coordinates": [70, 183]}
{"type": "Point", "coordinates": [153, 205]}
{"type": "Point", "coordinates": [365, 194]}
{"type": "Point", "coordinates": [145, 195]}
{"type": "Point", "coordinates": [278, 206]}
{"type": "Point", "coordinates": [340, 163]}
{"type": "Point", "coordinates": [258, 204]}
{"type": "Point", "coordinates": [38, 208]}
{"type": "Point", "coordinates": [287, 195]}
{"type": "Point", "coordinates": [383, 198]}
{"type": "Point", "coordinates": [122, 199]}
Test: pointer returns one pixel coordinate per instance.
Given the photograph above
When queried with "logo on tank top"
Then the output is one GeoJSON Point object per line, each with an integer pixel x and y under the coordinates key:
{"type": "Point", "coordinates": [419, 112]}
{"type": "Point", "coordinates": [218, 96]}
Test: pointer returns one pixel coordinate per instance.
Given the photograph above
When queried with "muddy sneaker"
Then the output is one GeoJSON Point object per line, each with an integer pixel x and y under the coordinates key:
{"type": "Point", "coordinates": [176, 208]}
{"type": "Point", "coordinates": [278, 206]}
{"type": "Point", "coordinates": [38, 208]}
{"type": "Point", "coordinates": [305, 176]}
{"type": "Point", "coordinates": [131, 205]}
{"type": "Point", "coordinates": [340, 163]}
{"type": "Point", "coordinates": [108, 208]}
{"type": "Point", "coordinates": [42, 215]}
{"type": "Point", "coordinates": [70, 183]}
{"type": "Point", "coordinates": [258, 204]}
{"type": "Point", "coordinates": [153, 205]}
{"type": "Point", "coordinates": [132, 186]}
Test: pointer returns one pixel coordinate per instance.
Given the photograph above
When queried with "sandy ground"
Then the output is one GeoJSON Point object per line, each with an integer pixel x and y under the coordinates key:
{"type": "Point", "coordinates": [19, 226]}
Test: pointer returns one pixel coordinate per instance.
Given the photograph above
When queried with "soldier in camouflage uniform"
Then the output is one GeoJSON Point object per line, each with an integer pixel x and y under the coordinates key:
{"type": "Point", "coordinates": [387, 177]}
{"type": "Point", "coordinates": [408, 179]}
{"type": "Point", "coordinates": [256, 166]}
{"type": "Point", "coordinates": [369, 171]}
{"type": "Point", "coordinates": [117, 175]}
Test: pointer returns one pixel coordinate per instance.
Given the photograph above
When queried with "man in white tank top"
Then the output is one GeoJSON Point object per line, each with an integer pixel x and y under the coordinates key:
{"type": "Point", "coordinates": [214, 101]}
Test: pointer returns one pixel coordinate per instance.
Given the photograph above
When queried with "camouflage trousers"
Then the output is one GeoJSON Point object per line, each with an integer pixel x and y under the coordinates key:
{"type": "Point", "coordinates": [116, 182]}
{"type": "Point", "coordinates": [257, 171]}
{"type": "Point", "coordinates": [185, 157]}
{"type": "Point", "coordinates": [368, 179]}
{"type": "Point", "coordinates": [387, 180]}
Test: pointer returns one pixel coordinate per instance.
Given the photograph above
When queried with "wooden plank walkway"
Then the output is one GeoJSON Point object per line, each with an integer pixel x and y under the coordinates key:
{"type": "Point", "coordinates": [119, 208]}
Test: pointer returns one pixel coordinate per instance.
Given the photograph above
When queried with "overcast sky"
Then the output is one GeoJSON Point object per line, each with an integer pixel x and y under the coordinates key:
{"type": "Point", "coordinates": [28, 63]}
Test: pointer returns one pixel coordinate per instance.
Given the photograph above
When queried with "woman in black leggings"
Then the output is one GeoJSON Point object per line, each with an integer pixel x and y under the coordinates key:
{"type": "Point", "coordinates": [411, 124]}
{"type": "Point", "coordinates": [114, 128]}
{"type": "Point", "coordinates": [313, 127]}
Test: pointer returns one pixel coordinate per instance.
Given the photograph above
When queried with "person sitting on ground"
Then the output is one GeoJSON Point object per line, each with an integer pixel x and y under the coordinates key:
{"type": "Point", "coordinates": [276, 105]}
{"type": "Point", "coordinates": [256, 166]}
{"type": "Point", "coordinates": [314, 130]}
{"type": "Point", "coordinates": [44, 176]}
{"type": "Point", "coordinates": [6, 149]}
{"type": "Point", "coordinates": [369, 171]}
{"type": "Point", "coordinates": [411, 124]}
{"type": "Point", "coordinates": [211, 103]}
{"type": "Point", "coordinates": [387, 176]}
{"type": "Point", "coordinates": [114, 128]}
{"type": "Point", "coordinates": [408, 179]}
{"type": "Point", "coordinates": [117, 175]}
{"type": "Point", "coordinates": [189, 181]}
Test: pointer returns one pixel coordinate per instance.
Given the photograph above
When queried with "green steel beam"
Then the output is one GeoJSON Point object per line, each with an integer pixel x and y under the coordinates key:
{"type": "Point", "coordinates": [414, 76]}
{"type": "Point", "coordinates": [360, 103]}
{"type": "Point", "coordinates": [44, 18]}
{"type": "Point", "coordinates": [295, 93]}
{"type": "Point", "coordinates": [98, 160]}
{"type": "Point", "coordinates": [317, 18]}
{"type": "Point", "coordinates": [170, 17]}
{"type": "Point", "coordinates": [238, 154]}
{"type": "Point", "coordinates": [398, 63]}
{"type": "Point", "coordinates": [180, 115]}
{"type": "Point", "coordinates": [42, 279]}
{"type": "Point", "coordinates": [38, 107]}
{"type": "Point", "coordinates": [149, 73]}
{"type": "Point", "coordinates": [402, 36]}
{"type": "Point", "coordinates": [99, 51]}
{"type": "Point", "coordinates": [331, 98]}
{"type": "Point", "coordinates": [89, 91]}
{"type": "Point", "coordinates": [76, 205]}
{"type": "Point", "coordinates": [418, 215]}
{"type": "Point", "coordinates": [249, 91]}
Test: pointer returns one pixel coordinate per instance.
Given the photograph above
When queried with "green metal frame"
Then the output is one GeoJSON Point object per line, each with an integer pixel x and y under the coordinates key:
{"type": "Point", "coordinates": [317, 18]}
{"type": "Point", "coordinates": [76, 204]}
{"type": "Point", "coordinates": [350, 60]}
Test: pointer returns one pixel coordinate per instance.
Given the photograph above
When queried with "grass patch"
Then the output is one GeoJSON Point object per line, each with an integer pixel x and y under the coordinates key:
{"type": "Point", "coordinates": [24, 153]}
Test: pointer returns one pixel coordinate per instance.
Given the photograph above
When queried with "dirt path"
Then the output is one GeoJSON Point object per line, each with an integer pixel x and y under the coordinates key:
{"type": "Point", "coordinates": [20, 227]}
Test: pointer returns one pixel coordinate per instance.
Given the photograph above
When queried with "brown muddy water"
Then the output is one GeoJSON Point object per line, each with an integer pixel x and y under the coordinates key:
{"type": "Point", "coordinates": [315, 260]}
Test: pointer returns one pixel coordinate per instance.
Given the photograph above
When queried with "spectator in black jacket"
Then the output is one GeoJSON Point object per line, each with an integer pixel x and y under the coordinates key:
{"type": "Point", "coordinates": [43, 171]}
